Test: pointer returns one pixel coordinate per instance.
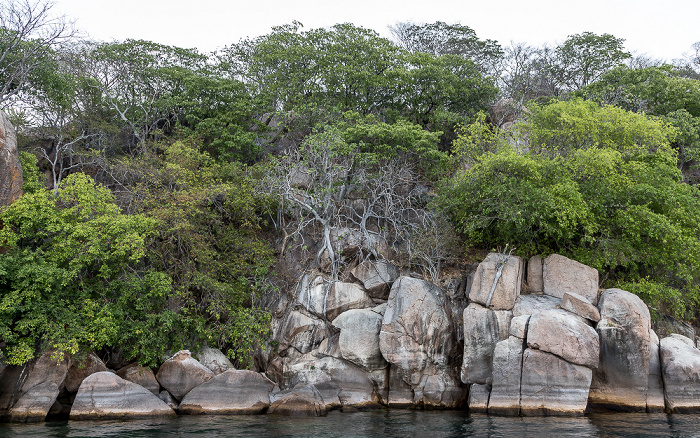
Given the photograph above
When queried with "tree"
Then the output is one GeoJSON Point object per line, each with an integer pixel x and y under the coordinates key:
{"type": "Point", "coordinates": [28, 36]}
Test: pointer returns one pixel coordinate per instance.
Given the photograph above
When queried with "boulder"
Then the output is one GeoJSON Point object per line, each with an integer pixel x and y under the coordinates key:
{"type": "Point", "coordinates": [376, 276]}
{"type": "Point", "coordinates": [301, 332]}
{"type": "Point", "coordinates": [624, 328]}
{"type": "Point", "coordinates": [552, 386]}
{"type": "Point", "coordinates": [348, 242]}
{"type": "Point", "coordinates": [168, 400]}
{"type": "Point", "coordinates": [578, 305]}
{"type": "Point", "coordinates": [359, 338]}
{"type": "Point", "coordinates": [478, 398]}
{"type": "Point", "coordinates": [37, 384]}
{"type": "Point", "coordinates": [655, 387]}
{"type": "Point", "coordinates": [680, 368]}
{"type": "Point", "coordinates": [10, 169]}
{"type": "Point", "coordinates": [355, 388]}
{"type": "Point", "coordinates": [507, 368]}
{"type": "Point", "coordinates": [534, 274]}
{"type": "Point", "coordinates": [80, 369]}
{"type": "Point", "coordinates": [231, 392]}
{"type": "Point", "coordinates": [305, 401]}
{"type": "Point", "coordinates": [565, 335]}
{"type": "Point", "coordinates": [533, 304]}
{"type": "Point", "coordinates": [497, 293]}
{"type": "Point", "coordinates": [417, 336]}
{"type": "Point", "coordinates": [214, 360]}
{"type": "Point", "coordinates": [141, 376]}
{"type": "Point", "coordinates": [561, 275]}
{"type": "Point", "coordinates": [518, 326]}
{"type": "Point", "coordinates": [483, 329]}
{"type": "Point", "coordinates": [344, 297]}
{"type": "Point", "coordinates": [179, 374]}
{"type": "Point", "coordinates": [105, 395]}
{"type": "Point", "coordinates": [311, 294]}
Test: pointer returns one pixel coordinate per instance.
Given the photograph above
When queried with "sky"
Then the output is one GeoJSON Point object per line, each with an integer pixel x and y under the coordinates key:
{"type": "Point", "coordinates": [663, 29]}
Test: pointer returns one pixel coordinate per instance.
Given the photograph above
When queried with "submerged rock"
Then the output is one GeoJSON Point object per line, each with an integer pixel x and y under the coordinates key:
{"type": "Point", "coordinates": [105, 395]}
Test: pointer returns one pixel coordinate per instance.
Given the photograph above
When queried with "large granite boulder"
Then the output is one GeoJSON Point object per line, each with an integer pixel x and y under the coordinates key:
{"type": "Point", "coordinates": [497, 293]}
{"type": "Point", "coordinates": [552, 386]}
{"type": "Point", "coordinates": [80, 369]}
{"type": "Point", "coordinates": [561, 275]}
{"type": "Point", "coordinates": [105, 395]}
{"type": "Point", "coordinates": [565, 335]}
{"type": "Point", "coordinates": [621, 381]}
{"type": "Point", "coordinates": [507, 369]}
{"type": "Point", "coordinates": [214, 360]}
{"type": "Point", "coordinates": [344, 297]}
{"type": "Point", "coordinates": [533, 304]}
{"type": "Point", "coordinates": [10, 169]}
{"type": "Point", "coordinates": [28, 392]}
{"type": "Point", "coordinates": [305, 401]}
{"type": "Point", "coordinates": [359, 338]}
{"type": "Point", "coordinates": [417, 336]}
{"type": "Point", "coordinates": [483, 329]}
{"type": "Point", "coordinates": [179, 374]}
{"type": "Point", "coordinates": [231, 392]}
{"type": "Point", "coordinates": [141, 376]}
{"type": "Point", "coordinates": [376, 277]}
{"type": "Point", "coordinates": [680, 367]}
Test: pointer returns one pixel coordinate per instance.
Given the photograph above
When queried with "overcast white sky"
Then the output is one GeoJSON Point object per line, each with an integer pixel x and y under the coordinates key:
{"type": "Point", "coordinates": [660, 28]}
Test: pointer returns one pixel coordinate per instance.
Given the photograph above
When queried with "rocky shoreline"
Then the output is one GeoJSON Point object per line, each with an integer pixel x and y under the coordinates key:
{"type": "Point", "coordinates": [513, 337]}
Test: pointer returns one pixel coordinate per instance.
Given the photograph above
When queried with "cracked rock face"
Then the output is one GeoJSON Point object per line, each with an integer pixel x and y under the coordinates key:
{"type": "Point", "coordinates": [495, 291]}
{"type": "Point", "coordinates": [359, 338]}
{"type": "Point", "coordinates": [483, 329]}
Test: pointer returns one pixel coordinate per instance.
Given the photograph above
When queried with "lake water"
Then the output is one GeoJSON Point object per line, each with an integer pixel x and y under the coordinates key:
{"type": "Point", "coordinates": [388, 423]}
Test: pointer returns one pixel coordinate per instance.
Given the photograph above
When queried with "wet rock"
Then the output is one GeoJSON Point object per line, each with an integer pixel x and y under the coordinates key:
{"type": "Point", "coordinates": [479, 398]}
{"type": "Point", "coordinates": [344, 297]}
{"type": "Point", "coordinates": [214, 360]}
{"type": "Point", "coordinates": [508, 286]}
{"type": "Point", "coordinates": [620, 382]}
{"type": "Point", "coordinates": [79, 370]}
{"type": "Point", "coordinates": [179, 374]}
{"type": "Point", "coordinates": [231, 392]}
{"type": "Point", "coordinates": [305, 401]}
{"type": "Point", "coordinates": [552, 386]}
{"type": "Point", "coordinates": [680, 368]}
{"type": "Point", "coordinates": [10, 170]}
{"type": "Point", "coordinates": [561, 275]}
{"type": "Point", "coordinates": [483, 329]}
{"type": "Point", "coordinates": [565, 335]}
{"type": "Point", "coordinates": [580, 306]}
{"type": "Point", "coordinates": [359, 338]}
{"type": "Point", "coordinates": [105, 395]}
{"type": "Point", "coordinates": [141, 376]}
{"type": "Point", "coordinates": [533, 304]}
{"type": "Point", "coordinates": [376, 276]}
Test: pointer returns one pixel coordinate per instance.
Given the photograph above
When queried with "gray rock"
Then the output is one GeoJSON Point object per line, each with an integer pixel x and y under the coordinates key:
{"type": "Point", "coordinates": [552, 386]}
{"type": "Point", "coordinates": [655, 387]}
{"type": "Point", "coordinates": [680, 368]}
{"type": "Point", "coordinates": [507, 368]}
{"type": "Point", "coordinates": [141, 376]}
{"type": "Point", "coordinates": [10, 170]}
{"type": "Point", "coordinates": [507, 287]}
{"type": "Point", "coordinates": [344, 297]}
{"type": "Point", "coordinates": [301, 332]}
{"type": "Point", "coordinates": [376, 276]}
{"type": "Point", "coordinates": [478, 398]}
{"type": "Point", "coordinates": [533, 304]}
{"type": "Point", "coordinates": [168, 400]}
{"type": "Point", "coordinates": [401, 394]}
{"type": "Point", "coordinates": [179, 374]}
{"type": "Point", "coordinates": [311, 294]}
{"type": "Point", "coordinates": [580, 306]}
{"type": "Point", "coordinates": [518, 326]}
{"type": "Point", "coordinates": [359, 338]}
{"type": "Point", "coordinates": [565, 335]}
{"type": "Point", "coordinates": [483, 328]}
{"type": "Point", "coordinates": [214, 360]}
{"type": "Point", "coordinates": [534, 274]}
{"type": "Point", "coordinates": [105, 395]}
{"type": "Point", "coordinates": [305, 401]}
{"type": "Point", "coordinates": [231, 392]}
{"type": "Point", "coordinates": [561, 275]}
{"type": "Point", "coordinates": [621, 380]}
{"type": "Point", "coordinates": [79, 370]}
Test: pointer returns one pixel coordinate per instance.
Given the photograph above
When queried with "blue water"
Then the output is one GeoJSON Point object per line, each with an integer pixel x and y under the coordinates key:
{"type": "Point", "coordinates": [387, 423]}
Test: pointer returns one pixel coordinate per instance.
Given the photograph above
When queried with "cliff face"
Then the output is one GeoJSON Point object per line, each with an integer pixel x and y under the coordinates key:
{"type": "Point", "coordinates": [10, 169]}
